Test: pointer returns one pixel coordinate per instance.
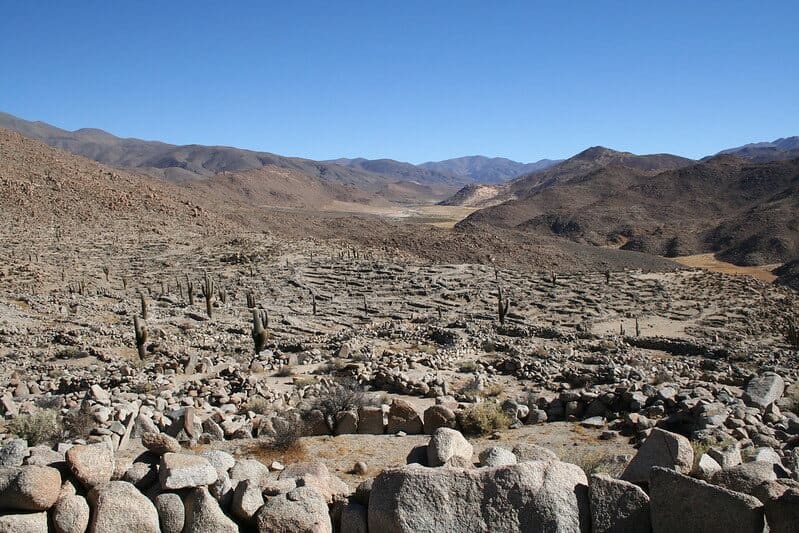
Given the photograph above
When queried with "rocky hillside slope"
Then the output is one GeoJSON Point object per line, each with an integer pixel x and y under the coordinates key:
{"type": "Point", "coordinates": [42, 185]}
{"type": "Point", "coordinates": [746, 212]}
{"type": "Point", "coordinates": [580, 165]}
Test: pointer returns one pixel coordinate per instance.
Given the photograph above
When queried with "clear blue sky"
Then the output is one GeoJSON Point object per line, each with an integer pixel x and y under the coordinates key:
{"type": "Point", "coordinates": [409, 80]}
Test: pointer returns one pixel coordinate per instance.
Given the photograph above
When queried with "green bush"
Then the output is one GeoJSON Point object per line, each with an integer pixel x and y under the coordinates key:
{"type": "Point", "coordinates": [39, 427]}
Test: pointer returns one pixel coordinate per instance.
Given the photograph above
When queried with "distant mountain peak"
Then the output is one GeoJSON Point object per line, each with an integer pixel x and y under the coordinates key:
{"type": "Point", "coordinates": [597, 152]}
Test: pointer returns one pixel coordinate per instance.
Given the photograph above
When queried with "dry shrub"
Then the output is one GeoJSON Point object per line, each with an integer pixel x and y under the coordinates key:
{"type": "Point", "coordinates": [288, 432]}
{"type": "Point", "coordinates": [483, 418]}
{"type": "Point", "coordinates": [594, 461]}
{"type": "Point", "coordinates": [285, 371]}
{"type": "Point", "coordinates": [40, 427]}
{"type": "Point", "coordinates": [258, 405]}
{"type": "Point", "coordinates": [342, 395]}
{"type": "Point", "coordinates": [79, 422]}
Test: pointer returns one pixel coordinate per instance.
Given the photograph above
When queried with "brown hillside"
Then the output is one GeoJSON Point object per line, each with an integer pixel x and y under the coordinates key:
{"type": "Point", "coordinates": [746, 212]}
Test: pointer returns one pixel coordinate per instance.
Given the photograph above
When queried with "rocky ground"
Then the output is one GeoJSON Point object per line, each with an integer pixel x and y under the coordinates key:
{"type": "Point", "coordinates": [365, 352]}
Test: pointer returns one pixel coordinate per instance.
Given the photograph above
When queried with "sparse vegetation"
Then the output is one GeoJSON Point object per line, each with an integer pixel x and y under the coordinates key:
{"type": "Point", "coordinates": [258, 405]}
{"type": "Point", "coordinates": [284, 371]}
{"type": "Point", "coordinates": [467, 367]}
{"type": "Point", "coordinates": [79, 422]}
{"type": "Point", "coordinates": [39, 427]}
{"type": "Point", "coordinates": [594, 461]}
{"type": "Point", "coordinates": [483, 418]}
{"type": "Point", "coordinates": [304, 381]}
{"type": "Point", "coordinates": [341, 395]}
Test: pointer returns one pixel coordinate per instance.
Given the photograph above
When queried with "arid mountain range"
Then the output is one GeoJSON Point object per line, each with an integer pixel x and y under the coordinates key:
{"type": "Point", "coordinates": [193, 162]}
{"type": "Point", "coordinates": [744, 211]}
{"type": "Point", "coordinates": [742, 204]}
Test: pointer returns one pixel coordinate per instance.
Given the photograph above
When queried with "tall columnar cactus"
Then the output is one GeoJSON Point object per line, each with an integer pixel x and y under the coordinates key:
{"type": "Point", "coordinates": [209, 288]}
{"type": "Point", "coordinates": [259, 331]}
{"type": "Point", "coordinates": [140, 329]}
{"type": "Point", "coordinates": [144, 314]}
{"type": "Point", "coordinates": [313, 302]}
{"type": "Point", "coordinates": [250, 300]}
{"type": "Point", "coordinates": [792, 334]}
{"type": "Point", "coordinates": [502, 305]}
{"type": "Point", "coordinates": [190, 290]}
{"type": "Point", "coordinates": [637, 328]}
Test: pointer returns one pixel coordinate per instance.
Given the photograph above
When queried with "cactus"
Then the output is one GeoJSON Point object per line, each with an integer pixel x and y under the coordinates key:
{"type": "Point", "coordinates": [313, 302]}
{"type": "Point", "coordinates": [222, 296]}
{"type": "Point", "coordinates": [607, 277]}
{"type": "Point", "coordinates": [208, 292]}
{"type": "Point", "coordinates": [259, 332]}
{"type": "Point", "coordinates": [792, 334]}
{"type": "Point", "coordinates": [250, 300]}
{"type": "Point", "coordinates": [144, 314]}
{"type": "Point", "coordinates": [502, 305]}
{"type": "Point", "coordinates": [140, 328]}
{"type": "Point", "coordinates": [621, 329]}
{"type": "Point", "coordinates": [124, 284]}
{"type": "Point", "coordinates": [365, 306]}
{"type": "Point", "coordinates": [637, 328]}
{"type": "Point", "coordinates": [190, 290]}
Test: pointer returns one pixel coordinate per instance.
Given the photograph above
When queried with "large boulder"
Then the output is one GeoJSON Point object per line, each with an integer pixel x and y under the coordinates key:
{"type": "Point", "coordinates": [438, 416]}
{"type": "Point", "coordinates": [661, 448]}
{"type": "Point", "coordinates": [403, 416]}
{"type": "Point", "coordinates": [618, 506]}
{"type": "Point", "coordinates": [316, 475]}
{"type": "Point", "coordinates": [119, 506]}
{"type": "Point", "coordinates": [180, 471]}
{"type": "Point", "coordinates": [764, 390]}
{"type": "Point", "coordinates": [24, 523]}
{"type": "Point", "coordinates": [746, 477]}
{"type": "Point", "coordinates": [531, 496]}
{"type": "Point", "coordinates": [782, 512]}
{"type": "Point", "coordinates": [302, 510]}
{"type": "Point", "coordinates": [527, 451]}
{"type": "Point", "coordinates": [14, 452]}
{"type": "Point", "coordinates": [247, 499]}
{"type": "Point", "coordinates": [171, 512]}
{"type": "Point", "coordinates": [354, 518]}
{"type": "Point", "coordinates": [346, 423]}
{"type": "Point", "coordinates": [370, 420]}
{"type": "Point", "coordinates": [204, 514]}
{"type": "Point", "coordinates": [29, 488]}
{"type": "Point", "coordinates": [251, 469]}
{"type": "Point", "coordinates": [160, 443]}
{"type": "Point", "coordinates": [91, 464]}
{"type": "Point", "coordinates": [496, 456]}
{"type": "Point", "coordinates": [70, 514]}
{"type": "Point", "coordinates": [682, 503]}
{"type": "Point", "coordinates": [445, 444]}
